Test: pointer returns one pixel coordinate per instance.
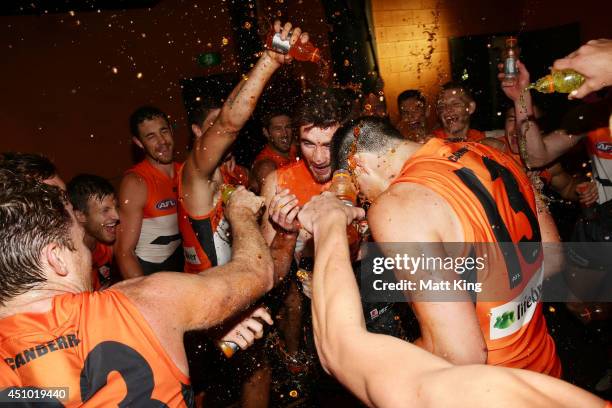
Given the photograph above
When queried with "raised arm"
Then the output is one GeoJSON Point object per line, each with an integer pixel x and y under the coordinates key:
{"type": "Point", "coordinates": [449, 329]}
{"type": "Point", "coordinates": [208, 298]}
{"type": "Point", "coordinates": [539, 151]}
{"type": "Point", "coordinates": [132, 199]}
{"type": "Point", "coordinates": [236, 111]}
{"type": "Point", "coordinates": [383, 371]}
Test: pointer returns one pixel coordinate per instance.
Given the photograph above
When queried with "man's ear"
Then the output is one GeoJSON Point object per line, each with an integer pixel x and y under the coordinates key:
{"type": "Point", "coordinates": [197, 131]}
{"type": "Point", "coordinates": [360, 164]}
{"type": "Point", "coordinates": [137, 142]}
{"type": "Point", "coordinates": [266, 133]}
{"type": "Point", "coordinates": [54, 255]}
{"type": "Point", "coordinates": [80, 216]}
{"type": "Point", "coordinates": [471, 107]}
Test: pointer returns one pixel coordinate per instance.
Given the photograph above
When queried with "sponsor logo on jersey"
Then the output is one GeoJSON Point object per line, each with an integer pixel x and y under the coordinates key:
{"type": "Point", "coordinates": [191, 256]}
{"type": "Point", "coordinates": [510, 317]}
{"type": "Point", "coordinates": [166, 204]}
{"type": "Point", "coordinates": [605, 147]}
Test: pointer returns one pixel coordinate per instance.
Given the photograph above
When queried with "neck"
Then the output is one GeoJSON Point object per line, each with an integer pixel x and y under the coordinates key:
{"type": "Point", "coordinates": [396, 158]}
{"type": "Point", "coordinates": [165, 168]}
{"type": "Point", "coordinates": [90, 241]}
{"type": "Point", "coordinates": [461, 133]}
{"type": "Point", "coordinates": [39, 299]}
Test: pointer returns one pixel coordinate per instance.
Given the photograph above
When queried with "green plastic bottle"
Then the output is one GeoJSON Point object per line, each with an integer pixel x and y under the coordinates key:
{"type": "Point", "coordinates": [226, 192]}
{"type": "Point", "coordinates": [564, 81]}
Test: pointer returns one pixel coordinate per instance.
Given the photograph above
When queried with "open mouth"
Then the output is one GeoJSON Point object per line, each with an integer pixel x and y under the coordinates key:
{"type": "Point", "coordinates": [110, 227]}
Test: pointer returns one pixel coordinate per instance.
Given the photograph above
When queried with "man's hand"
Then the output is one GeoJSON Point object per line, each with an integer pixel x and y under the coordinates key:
{"type": "Point", "coordinates": [587, 193]}
{"type": "Point", "coordinates": [242, 201]}
{"type": "Point", "coordinates": [247, 331]}
{"type": "Point", "coordinates": [296, 35]}
{"type": "Point", "coordinates": [514, 87]}
{"type": "Point", "coordinates": [594, 61]}
{"type": "Point", "coordinates": [327, 207]}
{"type": "Point", "coordinates": [283, 212]}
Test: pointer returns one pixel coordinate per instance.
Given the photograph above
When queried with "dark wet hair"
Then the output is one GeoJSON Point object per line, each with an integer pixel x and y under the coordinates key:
{"type": "Point", "coordinates": [145, 113]}
{"type": "Point", "coordinates": [409, 94]}
{"type": "Point", "coordinates": [268, 116]}
{"type": "Point", "coordinates": [364, 134]}
{"type": "Point", "coordinates": [322, 108]}
{"type": "Point", "coordinates": [458, 85]}
{"type": "Point", "coordinates": [199, 109]}
{"type": "Point", "coordinates": [33, 215]}
{"type": "Point", "coordinates": [30, 165]}
{"type": "Point", "coordinates": [85, 186]}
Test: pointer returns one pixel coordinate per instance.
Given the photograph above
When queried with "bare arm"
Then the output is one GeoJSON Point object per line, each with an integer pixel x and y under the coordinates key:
{"type": "Point", "coordinates": [449, 329]}
{"type": "Point", "coordinates": [539, 150]}
{"type": "Point", "coordinates": [563, 183]}
{"type": "Point", "coordinates": [268, 191]}
{"type": "Point", "coordinates": [132, 199]}
{"type": "Point", "coordinates": [367, 363]}
{"type": "Point", "coordinates": [208, 298]}
{"type": "Point", "coordinates": [261, 170]}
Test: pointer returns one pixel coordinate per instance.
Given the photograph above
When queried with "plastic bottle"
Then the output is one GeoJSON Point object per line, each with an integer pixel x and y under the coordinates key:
{"type": "Point", "coordinates": [343, 186]}
{"type": "Point", "coordinates": [564, 81]}
{"type": "Point", "coordinates": [299, 51]}
{"type": "Point", "coordinates": [226, 192]}
{"type": "Point", "coordinates": [510, 56]}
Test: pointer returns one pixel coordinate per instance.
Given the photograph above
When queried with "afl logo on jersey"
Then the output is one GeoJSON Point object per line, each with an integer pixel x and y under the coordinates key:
{"type": "Point", "coordinates": [605, 147]}
{"type": "Point", "coordinates": [166, 204]}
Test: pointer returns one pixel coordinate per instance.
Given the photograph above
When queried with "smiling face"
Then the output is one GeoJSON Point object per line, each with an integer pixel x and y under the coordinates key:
{"type": "Point", "coordinates": [315, 144]}
{"type": "Point", "coordinates": [156, 139]}
{"type": "Point", "coordinates": [413, 112]}
{"type": "Point", "coordinates": [101, 219]}
{"type": "Point", "coordinates": [280, 133]}
{"type": "Point", "coordinates": [454, 110]}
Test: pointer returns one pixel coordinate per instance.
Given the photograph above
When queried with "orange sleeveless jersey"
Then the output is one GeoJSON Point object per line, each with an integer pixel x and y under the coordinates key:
{"type": "Point", "coordinates": [206, 240]}
{"type": "Point", "coordinates": [268, 153]}
{"type": "Point", "coordinates": [101, 264]}
{"type": "Point", "coordinates": [96, 344]}
{"type": "Point", "coordinates": [472, 136]}
{"type": "Point", "coordinates": [298, 179]}
{"type": "Point", "coordinates": [487, 189]}
{"type": "Point", "coordinates": [159, 234]}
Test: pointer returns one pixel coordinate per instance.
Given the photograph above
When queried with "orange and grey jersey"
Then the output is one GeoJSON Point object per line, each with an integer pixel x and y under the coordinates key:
{"type": "Point", "coordinates": [206, 237]}
{"type": "Point", "coordinates": [600, 150]}
{"type": "Point", "coordinates": [98, 346]}
{"type": "Point", "coordinates": [159, 244]}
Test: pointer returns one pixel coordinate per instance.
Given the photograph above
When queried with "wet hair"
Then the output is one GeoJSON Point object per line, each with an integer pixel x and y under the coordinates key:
{"type": "Point", "coordinates": [33, 215]}
{"type": "Point", "coordinates": [30, 165]}
{"type": "Point", "coordinates": [322, 108]}
{"type": "Point", "coordinates": [199, 110]}
{"type": "Point", "coordinates": [268, 116]}
{"type": "Point", "coordinates": [145, 113]}
{"type": "Point", "coordinates": [85, 186]}
{"type": "Point", "coordinates": [409, 94]}
{"type": "Point", "coordinates": [364, 134]}
{"type": "Point", "coordinates": [458, 85]}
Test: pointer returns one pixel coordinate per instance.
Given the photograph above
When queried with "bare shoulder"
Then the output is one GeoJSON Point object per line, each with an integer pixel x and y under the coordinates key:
{"type": "Point", "coordinates": [132, 185]}
{"type": "Point", "coordinates": [413, 212]}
